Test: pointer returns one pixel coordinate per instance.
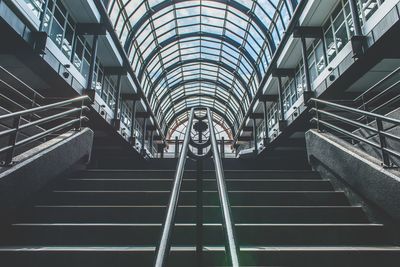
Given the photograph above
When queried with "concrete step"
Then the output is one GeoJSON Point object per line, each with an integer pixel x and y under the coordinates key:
{"type": "Point", "coordinates": [238, 198]}
{"type": "Point", "coordinates": [190, 184]}
{"type": "Point", "coordinates": [168, 174]}
{"type": "Point", "coordinates": [117, 234]}
{"type": "Point", "coordinates": [187, 214]}
{"type": "Point", "coordinates": [310, 256]}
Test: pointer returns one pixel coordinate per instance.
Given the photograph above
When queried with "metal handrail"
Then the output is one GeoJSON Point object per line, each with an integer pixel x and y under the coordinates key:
{"type": "Point", "coordinates": [377, 84]}
{"type": "Point", "coordinates": [379, 131]}
{"type": "Point", "coordinates": [44, 108]}
{"type": "Point", "coordinates": [357, 111]}
{"type": "Point", "coordinates": [33, 91]}
{"type": "Point", "coordinates": [165, 242]}
{"type": "Point", "coordinates": [232, 248]}
{"type": "Point", "coordinates": [16, 117]}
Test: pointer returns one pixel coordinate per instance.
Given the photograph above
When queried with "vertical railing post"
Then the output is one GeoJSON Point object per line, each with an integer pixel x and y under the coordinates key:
{"type": "Point", "coordinates": [317, 115]}
{"type": "Point", "coordinates": [266, 121]}
{"type": "Point", "coordinates": [255, 136]}
{"type": "Point", "coordinates": [143, 150]}
{"type": "Point", "coordinates": [133, 118]}
{"type": "Point", "coordinates": [222, 148]}
{"type": "Point", "coordinates": [383, 143]}
{"type": "Point", "coordinates": [176, 147]}
{"type": "Point", "coordinates": [12, 140]}
{"type": "Point", "coordinates": [80, 114]}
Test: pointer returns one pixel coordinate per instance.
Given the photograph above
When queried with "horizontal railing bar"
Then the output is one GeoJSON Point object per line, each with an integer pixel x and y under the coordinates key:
{"type": "Point", "coordinates": [338, 129]}
{"type": "Point", "coordinates": [343, 119]}
{"type": "Point", "coordinates": [43, 120]}
{"type": "Point", "coordinates": [44, 108]}
{"type": "Point", "coordinates": [378, 83]}
{"type": "Point", "coordinates": [43, 134]}
{"type": "Point", "coordinates": [362, 112]}
{"type": "Point", "coordinates": [353, 136]}
{"type": "Point", "coordinates": [15, 91]}
{"type": "Point", "coordinates": [23, 83]}
{"type": "Point", "coordinates": [357, 124]}
{"type": "Point", "coordinates": [381, 93]}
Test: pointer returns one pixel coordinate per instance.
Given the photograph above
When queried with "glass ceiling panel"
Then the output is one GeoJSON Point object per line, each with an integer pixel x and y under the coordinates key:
{"type": "Point", "coordinates": [200, 53]}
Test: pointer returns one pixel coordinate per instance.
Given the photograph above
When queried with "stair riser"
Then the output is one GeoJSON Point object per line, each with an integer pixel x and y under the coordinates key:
{"type": "Point", "coordinates": [211, 258]}
{"type": "Point", "coordinates": [185, 235]}
{"type": "Point", "coordinates": [191, 185]}
{"type": "Point", "coordinates": [188, 215]}
{"type": "Point", "coordinates": [189, 198]}
{"type": "Point", "coordinates": [192, 174]}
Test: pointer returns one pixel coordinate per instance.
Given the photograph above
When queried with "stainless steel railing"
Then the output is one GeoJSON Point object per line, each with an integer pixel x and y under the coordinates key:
{"type": "Point", "coordinates": [70, 118]}
{"type": "Point", "coordinates": [231, 246]}
{"type": "Point", "coordinates": [376, 128]}
{"type": "Point", "coordinates": [165, 242]}
{"type": "Point", "coordinates": [164, 247]}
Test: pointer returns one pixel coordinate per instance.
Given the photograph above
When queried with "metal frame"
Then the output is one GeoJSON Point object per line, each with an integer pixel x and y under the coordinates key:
{"type": "Point", "coordinates": [165, 243]}
{"type": "Point", "coordinates": [379, 131]}
{"type": "Point", "coordinates": [234, 41]}
{"type": "Point", "coordinates": [16, 117]}
{"type": "Point", "coordinates": [231, 246]}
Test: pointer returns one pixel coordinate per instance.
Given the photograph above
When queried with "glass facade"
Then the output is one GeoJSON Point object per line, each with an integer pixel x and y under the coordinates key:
{"type": "Point", "coordinates": [200, 53]}
{"type": "Point", "coordinates": [337, 32]}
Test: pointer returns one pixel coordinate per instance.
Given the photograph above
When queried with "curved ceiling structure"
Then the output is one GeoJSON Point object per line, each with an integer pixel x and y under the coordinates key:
{"type": "Point", "coordinates": [200, 53]}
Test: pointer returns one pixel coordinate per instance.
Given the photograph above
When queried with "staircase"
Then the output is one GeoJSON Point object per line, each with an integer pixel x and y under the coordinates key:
{"type": "Point", "coordinates": [113, 217]}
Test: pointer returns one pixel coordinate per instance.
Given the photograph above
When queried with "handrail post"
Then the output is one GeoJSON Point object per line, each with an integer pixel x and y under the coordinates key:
{"type": "Point", "coordinates": [231, 247]}
{"type": "Point", "coordinates": [317, 115]}
{"type": "Point", "coordinates": [222, 147]}
{"type": "Point", "coordinates": [165, 245]}
{"type": "Point", "coordinates": [176, 147]}
{"type": "Point", "coordinates": [79, 116]}
{"type": "Point", "coordinates": [382, 142]}
{"type": "Point", "coordinates": [12, 140]}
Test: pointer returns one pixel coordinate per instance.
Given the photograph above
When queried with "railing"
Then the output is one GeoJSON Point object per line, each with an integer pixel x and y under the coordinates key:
{"type": "Point", "coordinates": [165, 242]}
{"type": "Point", "coordinates": [379, 127]}
{"type": "Point", "coordinates": [70, 118]}
{"type": "Point", "coordinates": [231, 246]}
{"type": "Point", "coordinates": [381, 96]}
{"type": "Point", "coordinates": [25, 93]}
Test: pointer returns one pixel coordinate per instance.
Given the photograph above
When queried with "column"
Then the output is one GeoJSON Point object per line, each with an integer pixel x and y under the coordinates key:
{"type": "Point", "coordinates": [266, 122]}
{"type": "Point", "coordinates": [143, 150]}
{"type": "Point", "coordinates": [355, 17]}
{"type": "Point", "coordinates": [255, 135]}
{"type": "Point", "coordinates": [282, 121]}
{"type": "Point", "coordinates": [93, 55]}
{"type": "Point", "coordinates": [133, 122]}
{"type": "Point", "coordinates": [116, 120]}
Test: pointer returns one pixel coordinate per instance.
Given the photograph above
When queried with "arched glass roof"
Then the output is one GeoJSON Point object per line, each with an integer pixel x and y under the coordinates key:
{"type": "Point", "coordinates": [200, 53]}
